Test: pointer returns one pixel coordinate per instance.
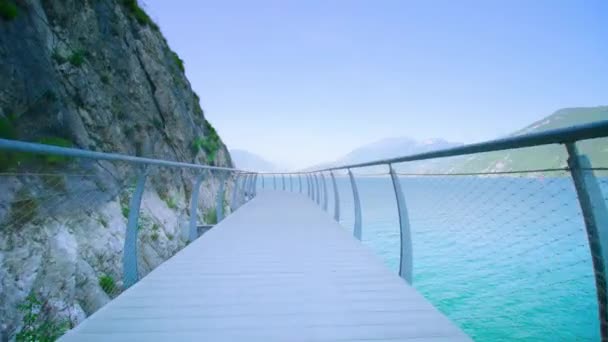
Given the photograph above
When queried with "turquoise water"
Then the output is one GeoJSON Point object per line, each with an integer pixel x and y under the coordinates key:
{"type": "Point", "coordinates": [504, 258]}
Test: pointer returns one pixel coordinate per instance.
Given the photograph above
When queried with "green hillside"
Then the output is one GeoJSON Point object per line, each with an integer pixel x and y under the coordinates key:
{"type": "Point", "coordinates": [553, 156]}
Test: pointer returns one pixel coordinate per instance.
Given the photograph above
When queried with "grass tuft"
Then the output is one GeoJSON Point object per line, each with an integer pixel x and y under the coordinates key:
{"type": "Point", "coordinates": [139, 14]}
{"type": "Point", "coordinates": [108, 284]}
{"type": "Point", "coordinates": [210, 216]}
{"type": "Point", "coordinates": [37, 324]}
{"type": "Point", "coordinates": [210, 144]}
{"type": "Point", "coordinates": [8, 10]}
{"type": "Point", "coordinates": [77, 58]}
{"type": "Point", "coordinates": [24, 208]}
{"type": "Point", "coordinates": [178, 61]}
{"type": "Point", "coordinates": [55, 141]}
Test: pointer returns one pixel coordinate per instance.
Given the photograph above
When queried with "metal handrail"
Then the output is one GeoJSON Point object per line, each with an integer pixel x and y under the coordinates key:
{"type": "Point", "coordinates": [593, 206]}
{"type": "Point", "coordinates": [130, 259]}
{"type": "Point", "coordinates": [571, 134]}
{"type": "Point", "coordinates": [598, 129]}
{"type": "Point", "coordinates": [589, 194]}
{"type": "Point", "coordinates": [29, 147]}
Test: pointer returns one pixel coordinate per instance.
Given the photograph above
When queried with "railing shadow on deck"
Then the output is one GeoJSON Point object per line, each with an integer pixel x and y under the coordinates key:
{"type": "Point", "coordinates": [471, 242]}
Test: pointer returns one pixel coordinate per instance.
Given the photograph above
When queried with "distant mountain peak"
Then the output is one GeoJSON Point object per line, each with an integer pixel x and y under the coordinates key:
{"type": "Point", "coordinates": [390, 148]}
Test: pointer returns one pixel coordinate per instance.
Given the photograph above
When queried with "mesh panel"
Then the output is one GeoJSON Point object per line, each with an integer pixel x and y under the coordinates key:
{"type": "Point", "coordinates": [63, 224]}
{"type": "Point", "coordinates": [505, 256]}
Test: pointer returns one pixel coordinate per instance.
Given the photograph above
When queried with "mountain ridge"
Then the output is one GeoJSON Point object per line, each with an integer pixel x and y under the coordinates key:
{"type": "Point", "coordinates": [551, 156]}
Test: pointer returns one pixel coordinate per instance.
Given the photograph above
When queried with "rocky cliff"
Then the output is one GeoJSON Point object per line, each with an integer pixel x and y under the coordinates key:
{"type": "Point", "coordinates": [95, 75]}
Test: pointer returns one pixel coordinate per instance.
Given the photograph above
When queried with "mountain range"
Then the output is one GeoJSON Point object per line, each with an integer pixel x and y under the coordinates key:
{"type": "Point", "coordinates": [542, 157]}
{"type": "Point", "coordinates": [389, 148]}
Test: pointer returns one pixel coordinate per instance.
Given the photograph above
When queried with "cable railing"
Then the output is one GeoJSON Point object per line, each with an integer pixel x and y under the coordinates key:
{"type": "Point", "coordinates": [507, 254]}
{"type": "Point", "coordinates": [79, 227]}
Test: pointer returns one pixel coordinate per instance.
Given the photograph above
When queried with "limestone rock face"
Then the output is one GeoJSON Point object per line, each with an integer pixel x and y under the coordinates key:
{"type": "Point", "coordinates": [96, 75]}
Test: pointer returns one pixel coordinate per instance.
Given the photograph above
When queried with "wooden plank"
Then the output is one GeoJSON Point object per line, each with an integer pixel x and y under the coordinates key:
{"type": "Point", "coordinates": [279, 269]}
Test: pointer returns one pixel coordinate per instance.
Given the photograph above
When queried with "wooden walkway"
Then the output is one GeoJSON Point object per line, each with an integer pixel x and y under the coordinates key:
{"type": "Point", "coordinates": [278, 269]}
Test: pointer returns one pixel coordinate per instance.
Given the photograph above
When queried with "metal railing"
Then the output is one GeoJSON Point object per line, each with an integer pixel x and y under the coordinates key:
{"type": "Point", "coordinates": [65, 191]}
{"type": "Point", "coordinates": [125, 180]}
{"type": "Point", "coordinates": [589, 193]}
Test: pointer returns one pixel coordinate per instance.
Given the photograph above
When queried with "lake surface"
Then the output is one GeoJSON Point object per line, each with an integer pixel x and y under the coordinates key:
{"type": "Point", "coordinates": [505, 258]}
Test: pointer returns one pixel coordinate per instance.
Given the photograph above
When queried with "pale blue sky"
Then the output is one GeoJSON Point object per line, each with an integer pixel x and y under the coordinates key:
{"type": "Point", "coordinates": [302, 82]}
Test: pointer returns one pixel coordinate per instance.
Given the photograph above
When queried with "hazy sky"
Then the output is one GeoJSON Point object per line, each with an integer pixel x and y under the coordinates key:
{"type": "Point", "coordinates": [301, 82]}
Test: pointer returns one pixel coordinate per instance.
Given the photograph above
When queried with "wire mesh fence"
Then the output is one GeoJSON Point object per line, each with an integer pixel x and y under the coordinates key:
{"type": "Point", "coordinates": [504, 255]}
{"type": "Point", "coordinates": [502, 250]}
{"type": "Point", "coordinates": [63, 223]}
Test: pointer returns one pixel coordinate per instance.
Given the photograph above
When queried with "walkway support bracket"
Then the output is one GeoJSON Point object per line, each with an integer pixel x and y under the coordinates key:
{"type": "Point", "coordinates": [336, 198]}
{"type": "Point", "coordinates": [595, 215]}
{"type": "Point", "coordinates": [405, 259]}
{"type": "Point", "coordinates": [357, 228]}
{"type": "Point", "coordinates": [129, 257]}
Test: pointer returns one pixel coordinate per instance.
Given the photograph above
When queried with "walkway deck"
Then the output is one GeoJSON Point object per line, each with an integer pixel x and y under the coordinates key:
{"type": "Point", "coordinates": [278, 269]}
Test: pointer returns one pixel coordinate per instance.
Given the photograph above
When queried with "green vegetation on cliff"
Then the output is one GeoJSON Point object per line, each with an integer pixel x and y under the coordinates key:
{"type": "Point", "coordinates": [8, 10]}
{"type": "Point", "coordinates": [139, 14]}
{"type": "Point", "coordinates": [211, 143]}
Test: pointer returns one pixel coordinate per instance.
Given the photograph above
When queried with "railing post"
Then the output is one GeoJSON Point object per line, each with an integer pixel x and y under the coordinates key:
{"type": "Point", "coordinates": [290, 183]}
{"type": "Point", "coordinates": [129, 257]}
{"type": "Point", "coordinates": [353, 184]}
{"type": "Point", "coordinates": [595, 215]}
{"type": "Point", "coordinates": [192, 233]}
{"type": "Point", "coordinates": [242, 190]}
{"type": "Point", "coordinates": [308, 186]}
{"type": "Point", "coordinates": [255, 185]}
{"type": "Point", "coordinates": [247, 189]}
{"type": "Point", "coordinates": [252, 183]}
{"type": "Point", "coordinates": [406, 255]}
{"type": "Point", "coordinates": [274, 181]}
{"type": "Point", "coordinates": [324, 191]}
{"type": "Point", "coordinates": [300, 182]}
{"type": "Point", "coordinates": [283, 180]}
{"type": "Point", "coordinates": [318, 192]}
{"type": "Point", "coordinates": [336, 198]}
{"type": "Point", "coordinates": [250, 186]}
{"type": "Point", "coordinates": [263, 181]}
{"type": "Point", "coordinates": [235, 192]}
{"type": "Point", "coordinates": [219, 200]}
{"type": "Point", "coordinates": [312, 187]}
